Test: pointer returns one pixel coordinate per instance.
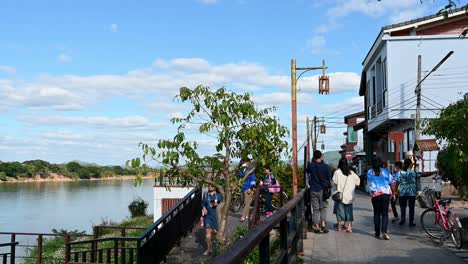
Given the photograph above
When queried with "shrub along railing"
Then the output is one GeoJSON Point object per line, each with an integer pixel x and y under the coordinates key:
{"type": "Point", "coordinates": [291, 225]}
{"type": "Point", "coordinates": [151, 246]}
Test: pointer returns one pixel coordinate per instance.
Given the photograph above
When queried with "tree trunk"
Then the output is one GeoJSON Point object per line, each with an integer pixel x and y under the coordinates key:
{"type": "Point", "coordinates": [223, 217]}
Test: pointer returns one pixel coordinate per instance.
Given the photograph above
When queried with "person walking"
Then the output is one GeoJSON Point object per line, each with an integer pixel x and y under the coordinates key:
{"type": "Point", "coordinates": [346, 182]}
{"type": "Point", "coordinates": [210, 219]}
{"type": "Point", "coordinates": [407, 187]}
{"type": "Point", "coordinates": [379, 187]}
{"type": "Point", "coordinates": [319, 180]}
{"type": "Point", "coordinates": [268, 181]}
{"type": "Point", "coordinates": [395, 195]}
{"type": "Point", "coordinates": [247, 189]}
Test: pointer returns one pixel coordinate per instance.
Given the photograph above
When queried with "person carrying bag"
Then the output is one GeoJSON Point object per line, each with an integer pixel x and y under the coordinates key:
{"type": "Point", "coordinates": [344, 198]}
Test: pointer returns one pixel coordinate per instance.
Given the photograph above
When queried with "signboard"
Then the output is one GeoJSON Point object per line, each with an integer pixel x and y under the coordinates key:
{"type": "Point", "coordinates": [352, 135]}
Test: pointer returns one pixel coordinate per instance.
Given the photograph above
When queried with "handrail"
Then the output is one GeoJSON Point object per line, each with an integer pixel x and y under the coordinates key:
{"type": "Point", "coordinates": [151, 246]}
{"type": "Point", "coordinates": [259, 235]}
{"type": "Point", "coordinates": [8, 244]}
{"type": "Point", "coordinates": [163, 218]}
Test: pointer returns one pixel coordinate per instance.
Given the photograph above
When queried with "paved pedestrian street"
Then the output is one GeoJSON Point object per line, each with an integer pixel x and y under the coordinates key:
{"type": "Point", "coordinates": [407, 245]}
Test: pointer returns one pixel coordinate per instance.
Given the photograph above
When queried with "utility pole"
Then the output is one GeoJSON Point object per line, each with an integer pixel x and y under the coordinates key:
{"type": "Point", "coordinates": [418, 102]}
{"type": "Point", "coordinates": [315, 134]}
{"type": "Point", "coordinates": [294, 125]}
{"type": "Point", "coordinates": [308, 140]}
{"type": "Point", "coordinates": [294, 80]}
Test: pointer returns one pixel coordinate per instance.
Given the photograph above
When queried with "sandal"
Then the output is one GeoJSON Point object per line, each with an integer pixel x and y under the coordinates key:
{"type": "Point", "coordinates": [243, 219]}
{"type": "Point", "coordinates": [338, 229]}
{"type": "Point", "coordinates": [349, 230]}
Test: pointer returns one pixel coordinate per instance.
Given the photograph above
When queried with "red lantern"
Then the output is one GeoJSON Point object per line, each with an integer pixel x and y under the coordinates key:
{"type": "Point", "coordinates": [324, 84]}
{"type": "Point", "coordinates": [323, 129]}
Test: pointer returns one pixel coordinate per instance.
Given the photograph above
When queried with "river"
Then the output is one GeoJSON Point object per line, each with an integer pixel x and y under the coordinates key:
{"type": "Point", "coordinates": [40, 207]}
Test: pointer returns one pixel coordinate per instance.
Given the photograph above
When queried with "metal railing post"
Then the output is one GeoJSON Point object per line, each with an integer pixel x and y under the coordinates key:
{"type": "Point", "coordinates": [13, 249]}
{"type": "Point", "coordinates": [264, 250]}
{"type": "Point", "coordinates": [39, 249]}
{"type": "Point", "coordinates": [67, 249]}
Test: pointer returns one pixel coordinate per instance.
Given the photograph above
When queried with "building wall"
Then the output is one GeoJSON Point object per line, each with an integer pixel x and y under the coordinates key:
{"type": "Point", "coordinates": [162, 193]}
{"type": "Point", "coordinates": [444, 86]}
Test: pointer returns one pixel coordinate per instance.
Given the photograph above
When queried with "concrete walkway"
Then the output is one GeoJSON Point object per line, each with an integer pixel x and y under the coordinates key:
{"type": "Point", "coordinates": [407, 245]}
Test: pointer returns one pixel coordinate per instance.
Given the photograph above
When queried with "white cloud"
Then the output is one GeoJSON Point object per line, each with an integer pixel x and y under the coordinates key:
{"type": "Point", "coordinates": [316, 44]}
{"type": "Point", "coordinates": [64, 58]}
{"type": "Point", "coordinates": [99, 122]}
{"type": "Point", "coordinates": [409, 14]}
{"type": "Point", "coordinates": [396, 11]}
{"type": "Point", "coordinates": [7, 69]}
{"type": "Point", "coordinates": [38, 96]}
{"type": "Point", "coordinates": [114, 28]}
{"type": "Point", "coordinates": [208, 2]}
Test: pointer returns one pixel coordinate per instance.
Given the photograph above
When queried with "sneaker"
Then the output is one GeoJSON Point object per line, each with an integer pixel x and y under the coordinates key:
{"type": "Point", "coordinates": [269, 214]}
{"type": "Point", "coordinates": [402, 222]}
{"type": "Point", "coordinates": [316, 230]}
{"type": "Point", "coordinates": [386, 236]}
{"type": "Point", "coordinates": [394, 220]}
{"type": "Point", "coordinates": [325, 229]}
{"type": "Point", "coordinates": [207, 253]}
{"type": "Point", "coordinates": [412, 224]}
{"type": "Point", "coordinates": [377, 235]}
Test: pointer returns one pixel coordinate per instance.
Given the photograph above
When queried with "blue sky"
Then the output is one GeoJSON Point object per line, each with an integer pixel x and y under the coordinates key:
{"type": "Point", "coordinates": [88, 80]}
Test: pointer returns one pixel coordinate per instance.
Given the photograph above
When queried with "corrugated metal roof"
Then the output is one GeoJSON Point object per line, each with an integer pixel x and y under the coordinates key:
{"type": "Point", "coordinates": [427, 145]}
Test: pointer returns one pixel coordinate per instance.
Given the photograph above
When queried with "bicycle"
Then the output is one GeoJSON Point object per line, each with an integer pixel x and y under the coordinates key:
{"type": "Point", "coordinates": [440, 222]}
{"type": "Point", "coordinates": [236, 199]}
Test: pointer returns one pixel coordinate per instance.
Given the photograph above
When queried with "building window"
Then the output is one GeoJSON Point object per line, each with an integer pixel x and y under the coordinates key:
{"type": "Point", "coordinates": [384, 83]}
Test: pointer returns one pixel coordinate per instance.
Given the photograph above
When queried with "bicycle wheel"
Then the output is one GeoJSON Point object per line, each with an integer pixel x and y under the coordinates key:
{"type": "Point", "coordinates": [431, 224]}
{"type": "Point", "coordinates": [235, 203]}
{"type": "Point", "coordinates": [276, 203]}
{"type": "Point", "coordinates": [457, 233]}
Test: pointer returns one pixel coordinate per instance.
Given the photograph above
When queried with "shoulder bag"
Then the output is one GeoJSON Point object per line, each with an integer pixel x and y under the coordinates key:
{"type": "Point", "coordinates": [338, 196]}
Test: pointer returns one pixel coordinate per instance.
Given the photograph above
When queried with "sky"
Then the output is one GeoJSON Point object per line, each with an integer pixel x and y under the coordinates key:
{"type": "Point", "coordinates": [89, 80]}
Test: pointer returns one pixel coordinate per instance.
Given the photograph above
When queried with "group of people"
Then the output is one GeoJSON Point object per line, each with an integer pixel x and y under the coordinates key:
{"type": "Point", "coordinates": [320, 182]}
{"type": "Point", "coordinates": [213, 198]}
{"type": "Point", "coordinates": [385, 189]}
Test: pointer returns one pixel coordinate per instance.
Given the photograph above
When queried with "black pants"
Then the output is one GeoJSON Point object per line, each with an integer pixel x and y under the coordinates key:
{"type": "Point", "coordinates": [380, 204]}
{"type": "Point", "coordinates": [268, 200]}
{"type": "Point", "coordinates": [394, 210]}
{"type": "Point", "coordinates": [410, 201]}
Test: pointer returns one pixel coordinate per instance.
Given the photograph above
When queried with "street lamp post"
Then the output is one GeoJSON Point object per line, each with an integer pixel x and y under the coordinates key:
{"type": "Point", "coordinates": [294, 80]}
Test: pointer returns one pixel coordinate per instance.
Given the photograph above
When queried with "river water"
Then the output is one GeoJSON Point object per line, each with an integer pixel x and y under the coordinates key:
{"type": "Point", "coordinates": [40, 207]}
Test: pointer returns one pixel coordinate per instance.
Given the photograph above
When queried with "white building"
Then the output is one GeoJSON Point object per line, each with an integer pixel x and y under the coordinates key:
{"type": "Point", "coordinates": [389, 78]}
{"type": "Point", "coordinates": [167, 195]}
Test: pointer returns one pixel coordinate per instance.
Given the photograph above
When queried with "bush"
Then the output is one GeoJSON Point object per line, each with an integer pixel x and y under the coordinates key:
{"type": "Point", "coordinates": [3, 176]}
{"type": "Point", "coordinates": [137, 207]}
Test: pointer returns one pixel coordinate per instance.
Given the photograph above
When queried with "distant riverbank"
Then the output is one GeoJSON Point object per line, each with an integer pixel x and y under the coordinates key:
{"type": "Point", "coordinates": [61, 178]}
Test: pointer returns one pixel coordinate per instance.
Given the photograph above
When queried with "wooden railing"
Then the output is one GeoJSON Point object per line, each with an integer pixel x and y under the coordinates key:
{"type": "Point", "coordinates": [290, 219]}
{"type": "Point", "coordinates": [151, 246]}
{"type": "Point", "coordinates": [9, 255]}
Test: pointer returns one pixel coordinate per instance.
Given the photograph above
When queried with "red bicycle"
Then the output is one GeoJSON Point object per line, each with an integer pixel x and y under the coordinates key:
{"type": "Point", "coordinates": [439, 221]}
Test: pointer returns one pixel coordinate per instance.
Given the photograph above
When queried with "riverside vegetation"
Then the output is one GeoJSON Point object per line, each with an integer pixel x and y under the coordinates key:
{"type": "Point", "coordinates": [54, 248]}
{"type": "Point", "coordinates": [33, 169]}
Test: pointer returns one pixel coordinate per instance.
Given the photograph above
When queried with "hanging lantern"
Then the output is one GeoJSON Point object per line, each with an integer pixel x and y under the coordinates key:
{"type": "Point", "coordinates": [323, 129]}
{"type": "Point", "coordinates": [322, 146]}
{"type": "Point", "coordinates": [324, 84]}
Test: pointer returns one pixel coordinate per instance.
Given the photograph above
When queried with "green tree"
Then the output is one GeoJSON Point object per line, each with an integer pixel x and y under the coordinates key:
{"type": "Point", "coordinates": [74, 166]}
{"type": "Point", "coordinates": [240, 130]}
{"type": "Point", "coordinates": [451, 129]}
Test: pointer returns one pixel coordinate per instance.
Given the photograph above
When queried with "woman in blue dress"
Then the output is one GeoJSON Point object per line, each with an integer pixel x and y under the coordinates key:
{"type": "Point", "coordinates": [210, 219]}
{"type": "Point", "coordinates": [406, 183]}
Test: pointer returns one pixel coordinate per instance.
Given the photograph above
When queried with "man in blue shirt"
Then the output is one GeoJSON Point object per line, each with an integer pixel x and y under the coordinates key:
{"type": "Point", "coordinates": [319, 179]}
{"type": "Point", "coordinates": [246, 189]}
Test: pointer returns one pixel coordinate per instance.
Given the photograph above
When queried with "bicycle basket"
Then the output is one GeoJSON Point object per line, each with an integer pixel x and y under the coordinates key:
{"type": "Point", "coordinates": [429, 197]}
